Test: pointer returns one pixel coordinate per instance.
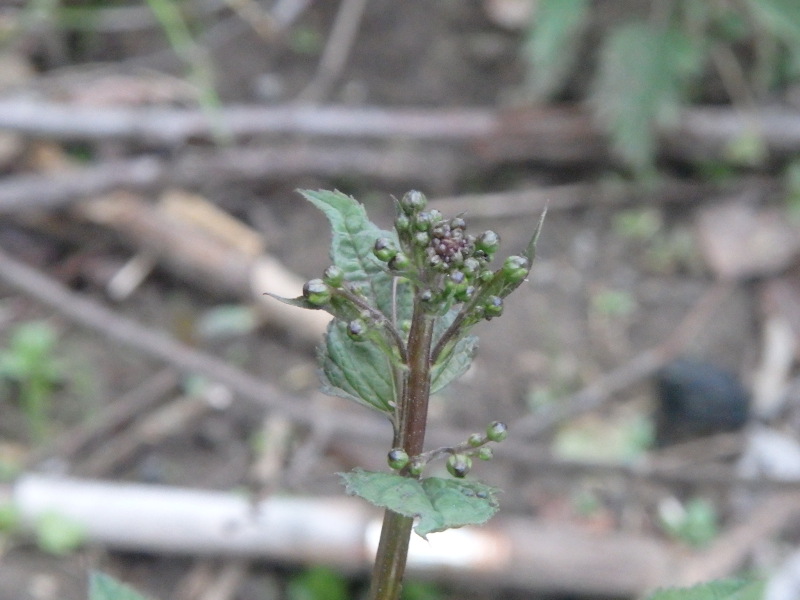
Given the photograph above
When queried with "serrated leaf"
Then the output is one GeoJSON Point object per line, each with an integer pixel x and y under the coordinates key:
{"type": "Point", "coordinates": [360, 371]}
{"type": "Point", "coordinates": [439, 503]}
{"type": "Point", "coordinates": [454, 364]}
{"type": "Point", "coordinates": [724, 589]}
{"type": "Point", "coordinates": [551, 46]}
{"type": "Point", "coordinates": [353, 237]}
{"type": "Point", "coordinates": [642, 77]}
{"type": "Point", "coordinates": [105, 587]}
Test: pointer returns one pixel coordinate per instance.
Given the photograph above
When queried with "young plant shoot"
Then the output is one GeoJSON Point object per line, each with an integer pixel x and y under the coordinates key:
{"type": "Point", "coordinates": [404, 302]}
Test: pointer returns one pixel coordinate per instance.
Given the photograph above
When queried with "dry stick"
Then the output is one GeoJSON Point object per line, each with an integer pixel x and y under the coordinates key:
{"type": "Point", "coordinates": [536, 133]}
{"type": "Point", "coordinates": [642, 366]}
{"type": "Point", "coordinates": [337, 50]}
{"type": "Point", "coordinates": [27, 193]}
{"type": "Point", "coordinates": [116, 327]}
{"type": "Point", "coordinates": [544, 133]}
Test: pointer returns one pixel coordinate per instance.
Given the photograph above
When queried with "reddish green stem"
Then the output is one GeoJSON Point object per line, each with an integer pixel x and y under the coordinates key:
{"type": "Point", "coordinates": [390, 561]}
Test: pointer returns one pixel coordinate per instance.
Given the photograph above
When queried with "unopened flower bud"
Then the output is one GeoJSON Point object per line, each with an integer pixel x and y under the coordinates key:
{"type": "Point", "coordinates": [493, 307]}
{"type": "Point", "coordinates": [397, 458]}
{"type": "Point", "coordinates": [317, 292]}
{"type": "Point", "coordinates": [488, 242]}
{"type": "Point", "coordinates": [458, 465]}
{"type": "Point", "coordinates": [413, 202]}
{"type": "Point", "coordinates": [515, 268]}
{"type": "Point", "coordinates": [384, 249]}
{"type": "Point", "coordinates": [333, 276]}
{"type": "Point", "coordinates": [356, 329]}
{"type": "Point", "coordinates": [497, 431]}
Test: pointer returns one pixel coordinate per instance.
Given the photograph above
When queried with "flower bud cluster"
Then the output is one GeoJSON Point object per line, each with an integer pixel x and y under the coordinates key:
{"type": "Point", "coordinates": [453, 264]}
{"type": "Point", "coordinates": [459, 458]}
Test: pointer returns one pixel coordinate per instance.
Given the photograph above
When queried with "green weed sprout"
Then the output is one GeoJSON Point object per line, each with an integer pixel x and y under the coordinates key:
{"type": "Point", "coordinates": [30, 363]}
{"type": "Point", "coordinates": [404, 302]}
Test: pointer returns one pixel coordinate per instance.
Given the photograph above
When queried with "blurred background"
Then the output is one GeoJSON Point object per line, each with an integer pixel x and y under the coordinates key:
{"type": "Point", "coordinates": [150, 154]}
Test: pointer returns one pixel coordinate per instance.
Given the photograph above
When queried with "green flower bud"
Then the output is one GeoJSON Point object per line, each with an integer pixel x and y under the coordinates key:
{"type": "Point", "coordinates": [333, 276]}
{"type": "Point", "coordinates": [485, 453]}
{"type": "Point", "coordinates": [475, 440]}
{"type": "Point", "coordinates": [317, 292]}
{"type": "Point", "coordinates": [423, 221]}
{"type": "Point", "coordinates": [471, 266]}
{"type": "Point", "coordinates": [384, 249]}
{"type": "Point", "coordinates": [485, 276]}
{"type": "Point", "coordinates": [416, 466]}
{"type": "Point", "coordinates": [399, 262]}
{"type": "Point", "coordinates": [464, 292]}
{"type": "Point", "coordinates": [413, 202]}
{"type": "Point", "coordinates": [515, 268]}
{"type": "Point", "coordinates": [488, 242]}
{"type": "Point", "coordinates": [458, 223]}
{"type": "Point", "coordinates": [421, 238]}
{"type": "Point", "coordinates": [356, 329]}
{"type": "Point", "coordinates": [497, 431]}
{"type": "Point", "coordinates": [402, 223]}
{"type": "Point", "coordinates": [493, 307]}
{"type": "Point", "coordinates": [397, 458]}
{"type": "Point", "coordinates": [458, 465]}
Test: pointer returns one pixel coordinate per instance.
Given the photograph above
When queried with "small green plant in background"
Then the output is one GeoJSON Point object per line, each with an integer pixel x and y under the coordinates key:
{"type": "Point", "coordinates": [651, 64]}
{"type": "Point", "coordinates": [694, 523]}
{"type": "Point", "coordinates": [29, 362]}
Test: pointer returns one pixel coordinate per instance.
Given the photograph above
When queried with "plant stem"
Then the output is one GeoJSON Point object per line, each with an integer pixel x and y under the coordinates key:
{"type": "Point", "coordinates": [390, 561]}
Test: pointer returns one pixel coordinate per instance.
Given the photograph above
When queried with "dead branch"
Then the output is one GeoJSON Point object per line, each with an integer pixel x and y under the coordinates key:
{"type": "Point", "coordinates": [537, 133]}
{"type": "Point", "coordinates": [341, 532]}
{"type": "Point", "coordinates": [28, 193]}
{"type": "Point", "coordinates": [553, 133]}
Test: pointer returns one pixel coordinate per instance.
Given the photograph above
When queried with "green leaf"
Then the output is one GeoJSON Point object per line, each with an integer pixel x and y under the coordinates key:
{"type": "Point", "coordinates": [454, 364]}
{"type": "Point", "coordinates": [438, 503]}
{"type": "Point", "coordinates": [360, 371]}
{"type": "Point", "coordinates": [553, 42]}
{"type": "Point", "coordinates": [643, 75]}
{"type": "Point", "coordinates": [723, 589]}
{"type": "Point", "coordinates": [353, 237]}
{"type": "Point", "coordinates": [105, 587]}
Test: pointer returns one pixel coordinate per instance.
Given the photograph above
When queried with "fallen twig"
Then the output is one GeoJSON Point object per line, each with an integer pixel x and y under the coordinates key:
{"type": "Point", "coordinates": [553, 133]}
{"type": "Point", "coordinates": [28, 193]}
{"type": "Point", "coordinates": [514, 552]}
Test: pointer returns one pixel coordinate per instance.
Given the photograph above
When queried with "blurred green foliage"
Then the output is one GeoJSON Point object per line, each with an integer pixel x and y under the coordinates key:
{"type": "Point", "coordinates": [29, 362]}
{"type": "Point", "coordinates": [651, 63]}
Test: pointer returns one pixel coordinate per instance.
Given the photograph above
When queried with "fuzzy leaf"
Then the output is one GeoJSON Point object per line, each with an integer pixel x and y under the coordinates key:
{"type": "Point", "coordinates": [438, 503]}
{"type": "Point", "coordinates": [640, 83]}
{"type": "Point", "coordinates": [353, 237]}
{"type": "Point", "coordinates": [723, 589]}
{"type": "Point", "coordinates": [359, 371]}
{"type": "Point", "coordinates": [105, 587]}
{"type": "Point", "coordinates": [552, 43]}
{"type": "Point", "coordinates": [454, 364]}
